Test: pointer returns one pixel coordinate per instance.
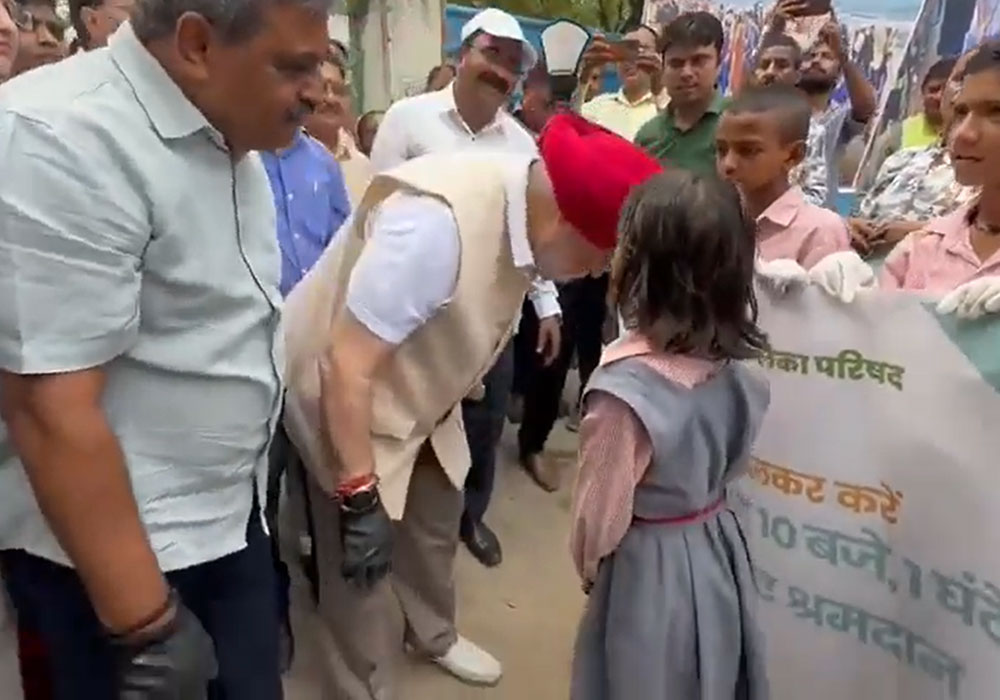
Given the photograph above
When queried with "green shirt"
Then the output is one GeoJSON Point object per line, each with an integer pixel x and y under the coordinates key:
{"type": "Point", "coordinates": [917, 131]}
{"type": "Point", "coordinates": [693, 149]}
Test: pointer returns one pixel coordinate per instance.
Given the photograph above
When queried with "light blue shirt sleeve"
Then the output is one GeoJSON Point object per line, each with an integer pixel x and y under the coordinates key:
{"type": "Point", "coordinates": [72, 235]}
{"type": "Point", "coordinates": [408, 268]}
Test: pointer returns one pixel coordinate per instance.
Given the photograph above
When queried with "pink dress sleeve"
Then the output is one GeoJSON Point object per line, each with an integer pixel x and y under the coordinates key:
{"type": "Point", "coordinates": [615, 453]}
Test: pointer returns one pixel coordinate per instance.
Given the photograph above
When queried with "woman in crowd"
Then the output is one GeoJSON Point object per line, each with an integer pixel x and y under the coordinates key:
{"type": "Point", "coordinates": [913, 185]}
{"type": "Point", "coordinates": [955, 257]}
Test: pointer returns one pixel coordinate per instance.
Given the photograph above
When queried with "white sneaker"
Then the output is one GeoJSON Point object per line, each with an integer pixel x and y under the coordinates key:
{"type": "Point", "coordinates": [470, 664]}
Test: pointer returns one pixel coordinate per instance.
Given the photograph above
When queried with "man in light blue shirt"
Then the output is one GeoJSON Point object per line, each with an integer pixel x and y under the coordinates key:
{"type": "Point", "coordinates": [310, 200]}
{"type": "Point", "coordinates": [311, 204]}
{"type": "Point", "coordinates": [141, 360]}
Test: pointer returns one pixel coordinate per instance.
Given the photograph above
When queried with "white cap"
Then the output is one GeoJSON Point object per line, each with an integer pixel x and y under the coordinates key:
{"type": "Point", "coordinates": [503, 26]}
{"type": "Point", "coordinates": [563, 43]}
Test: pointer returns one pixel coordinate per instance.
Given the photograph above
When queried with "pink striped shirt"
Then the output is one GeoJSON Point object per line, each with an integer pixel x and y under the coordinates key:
{"type": "Point", "coordinates": [792, 228]}
{"type": "Point", "coordinates": [939, 257]}
{"type": "Point", "coordinates": [615, 453]}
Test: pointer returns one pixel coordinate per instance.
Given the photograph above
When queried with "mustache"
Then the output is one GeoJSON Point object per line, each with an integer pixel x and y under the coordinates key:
{"type": "Point", "coordinates": [303, 110]}
{"type": "Point", "coordinates": [495, 81]}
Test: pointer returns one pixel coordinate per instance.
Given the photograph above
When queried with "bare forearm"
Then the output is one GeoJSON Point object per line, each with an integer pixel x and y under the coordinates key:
{"type": "Point", "coordinates": [78, 475]}
{"type": "Point", "coordinates": [347, 412]}
{"type": "Point", "coordinates": [861, 93]}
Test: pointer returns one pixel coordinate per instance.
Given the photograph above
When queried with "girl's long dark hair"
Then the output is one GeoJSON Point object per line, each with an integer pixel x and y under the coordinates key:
{"type": "Point", "coordinates": [683, 270]}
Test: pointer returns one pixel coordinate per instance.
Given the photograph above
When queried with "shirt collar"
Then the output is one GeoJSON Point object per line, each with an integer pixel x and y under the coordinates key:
{"type": "Point", "coordinates": [450, 108]}
{"type": "Point", "coordinates": [783, 210]}
{"type": "Point", "coordinates": [955, 230]}
{"type": "Point", "coordinates": [715, 107]}
{"type": "Point", "coordinates": [298, 141]}
{"type": "Point", "coordinates": [173, 116]}
{"type": "Point", "coordinates": [620, 97]}
{"type": "Point", "coordinates": [516, 172]}
{"type": "Point", "coordinates": [346, 148]}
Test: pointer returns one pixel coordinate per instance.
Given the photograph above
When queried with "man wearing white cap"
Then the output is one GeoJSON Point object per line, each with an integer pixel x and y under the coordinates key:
{"type": "Point", "coordinates": [469, 114]}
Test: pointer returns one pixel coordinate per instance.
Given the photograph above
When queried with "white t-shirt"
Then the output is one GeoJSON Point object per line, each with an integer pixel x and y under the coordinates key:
{"type": "Point", "coordinates": [430, 123]}
{"type": "Point", "coordinates": [409, 267]}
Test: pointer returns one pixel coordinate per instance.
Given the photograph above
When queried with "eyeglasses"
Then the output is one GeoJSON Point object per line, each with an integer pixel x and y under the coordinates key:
{"type": "Point", "coordinates": [26, 21]}
{"type": "Point", "coordinates": [22, 19]}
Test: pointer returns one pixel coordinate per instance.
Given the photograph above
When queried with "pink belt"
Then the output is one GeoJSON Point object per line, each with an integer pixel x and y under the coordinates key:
{"type": "Point", "coordinates": [686, 519]}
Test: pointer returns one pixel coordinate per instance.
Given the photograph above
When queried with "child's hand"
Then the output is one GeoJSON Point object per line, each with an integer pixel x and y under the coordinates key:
{"type": "Point", "coordinates": [864, 235]}
{"type": "Point", "coordinates": [781, 275]}
{"type": "Point", "coordinates": [973, 299]}
{"type": "Point", "coordinates": [843, 275]}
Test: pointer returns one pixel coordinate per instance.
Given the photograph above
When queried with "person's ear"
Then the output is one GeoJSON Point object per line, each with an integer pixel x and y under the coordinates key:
{"type": "Point", "coordinates": [88, 17]}
{"type": "Point", "coordinates": [796, 153]}
{"type": "Point", "coordinates": [193, 38]}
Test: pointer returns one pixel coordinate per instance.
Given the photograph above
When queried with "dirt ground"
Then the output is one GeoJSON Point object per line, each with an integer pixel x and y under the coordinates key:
{"type": "Point", "coordinates": [524, 612]}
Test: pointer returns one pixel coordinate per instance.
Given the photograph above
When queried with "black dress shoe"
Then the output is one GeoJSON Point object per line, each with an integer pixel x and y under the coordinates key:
{"type": "Point", "coordinates": [483, 544]}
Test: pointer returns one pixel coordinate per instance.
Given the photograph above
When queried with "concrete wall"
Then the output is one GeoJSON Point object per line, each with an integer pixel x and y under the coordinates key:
{"type": "Point", "coordinates": [395, 43]}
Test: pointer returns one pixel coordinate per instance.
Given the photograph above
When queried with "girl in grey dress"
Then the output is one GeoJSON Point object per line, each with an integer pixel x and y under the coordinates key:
{"type": "Point", "coordinates": [670, 418]}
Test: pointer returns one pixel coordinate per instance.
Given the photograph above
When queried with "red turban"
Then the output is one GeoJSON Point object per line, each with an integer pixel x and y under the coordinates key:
{"type": "Point", "coordinates": [592, 171]}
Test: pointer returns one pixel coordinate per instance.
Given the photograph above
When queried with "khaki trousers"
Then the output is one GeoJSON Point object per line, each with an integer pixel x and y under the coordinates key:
{"type": "Point", "coordinates": [362, 634]}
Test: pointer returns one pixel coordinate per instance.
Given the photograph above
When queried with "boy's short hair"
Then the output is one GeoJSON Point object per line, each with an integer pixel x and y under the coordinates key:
{"type": "Point", "coordinates": [789, 106]}
{"type": "Point", "coordinates": [694, 29]}
{"type": "Point", "coordinates": [940, 70]}
{"type": "Point", "coordinates": [778, 39]}
{"type": "Point", "coordinates": [986, 57]}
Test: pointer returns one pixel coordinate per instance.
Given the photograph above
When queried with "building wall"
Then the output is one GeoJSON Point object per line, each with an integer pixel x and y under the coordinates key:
{"type": "Point", "coordinates": [396, 43]}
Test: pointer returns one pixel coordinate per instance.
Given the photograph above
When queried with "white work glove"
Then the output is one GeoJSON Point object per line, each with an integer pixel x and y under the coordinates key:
{"type": "Point", "coordinates": [843, 275]}
{"type": "Point", "coordinates": [782, 274]}
{"type": "Point", "coordinates": [972, 299]}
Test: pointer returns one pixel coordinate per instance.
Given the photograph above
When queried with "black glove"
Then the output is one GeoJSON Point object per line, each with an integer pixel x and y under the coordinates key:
{"type": "Point", "coordinates": [175, 662]}
{"type": "Point", "coordinates": [365, 537]}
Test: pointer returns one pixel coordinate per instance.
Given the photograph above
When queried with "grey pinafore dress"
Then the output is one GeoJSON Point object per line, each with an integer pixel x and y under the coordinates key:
{"type": "Point", "coordinates": [671, 614]}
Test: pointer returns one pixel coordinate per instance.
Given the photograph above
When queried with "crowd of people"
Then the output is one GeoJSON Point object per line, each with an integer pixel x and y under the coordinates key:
{"type": "Point", "coordinates": [231, 307]}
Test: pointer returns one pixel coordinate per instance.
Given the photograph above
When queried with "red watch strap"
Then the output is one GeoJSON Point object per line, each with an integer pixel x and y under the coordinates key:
{"type": "Point", "coordinates": [356, 484]}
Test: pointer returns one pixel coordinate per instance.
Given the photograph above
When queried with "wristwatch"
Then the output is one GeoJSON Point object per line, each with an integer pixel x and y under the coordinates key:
{"type": "Point", "coordinates": [359, 495]}
{"type": "Point", "coordinates": [361, 501]}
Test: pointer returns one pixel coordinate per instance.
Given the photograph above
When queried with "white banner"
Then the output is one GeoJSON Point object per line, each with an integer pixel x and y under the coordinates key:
{"type": "Point", "coordinates": [873, 504]}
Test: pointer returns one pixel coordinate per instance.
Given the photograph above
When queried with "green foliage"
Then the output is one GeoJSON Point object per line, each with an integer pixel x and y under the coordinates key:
{"type": "Point", "coordinates": [609, 15]}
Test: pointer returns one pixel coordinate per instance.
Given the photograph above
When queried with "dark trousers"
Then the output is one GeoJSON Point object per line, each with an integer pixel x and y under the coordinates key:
{"type": "Point", "coordinates": [525, 356]}
{"type": "Point", "coordinates": [584, 305]}
{"type": "Point", "coordinates": [233, 597]}
{"type": "Point", "coordinates": [484, 421]}
{"type": "Point", "coordinates": [278, 459]}
{"type": "Point", "coordinates": [282, 459]}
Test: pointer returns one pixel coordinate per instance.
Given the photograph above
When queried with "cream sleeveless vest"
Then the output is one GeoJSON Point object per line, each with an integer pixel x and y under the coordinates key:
{"type": "Point", "coordinates": [417, 396]}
